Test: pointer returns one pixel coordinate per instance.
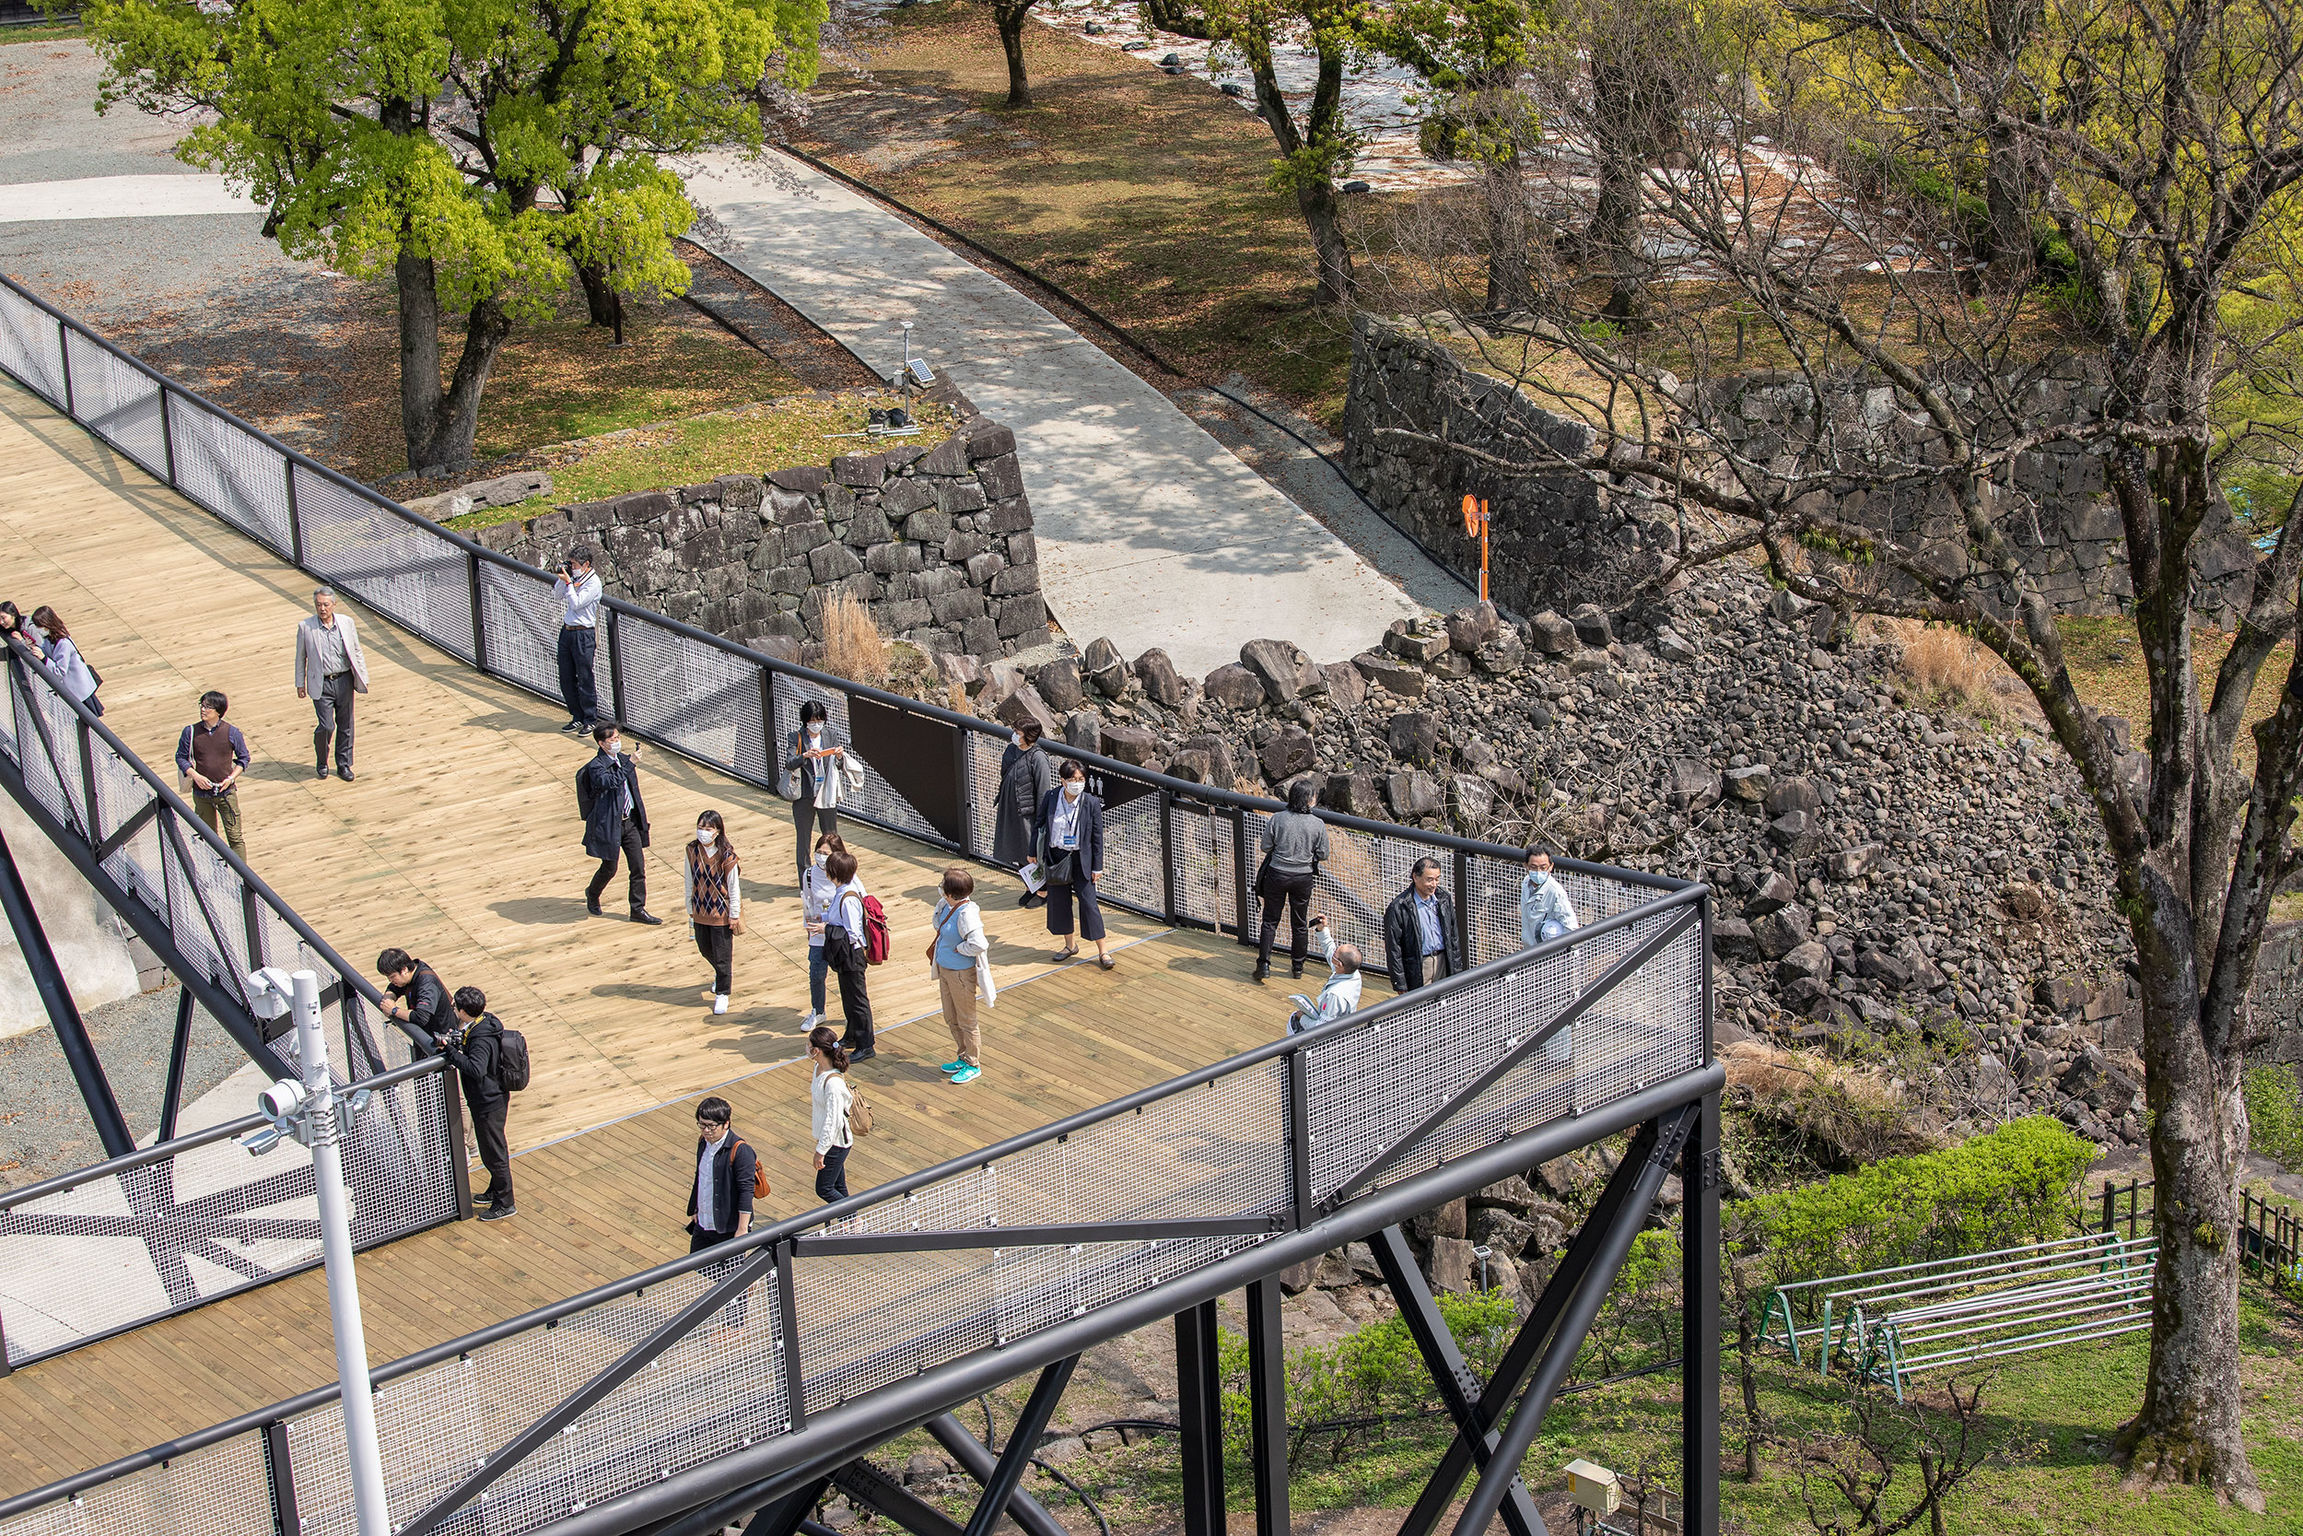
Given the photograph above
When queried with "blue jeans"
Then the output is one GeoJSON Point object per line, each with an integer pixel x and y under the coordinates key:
{"type": "Point", "coordinates": [816, 969]}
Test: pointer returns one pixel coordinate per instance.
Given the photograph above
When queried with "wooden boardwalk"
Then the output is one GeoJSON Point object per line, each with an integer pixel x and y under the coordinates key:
{"type": "Point", "coordinates": [459, 842]}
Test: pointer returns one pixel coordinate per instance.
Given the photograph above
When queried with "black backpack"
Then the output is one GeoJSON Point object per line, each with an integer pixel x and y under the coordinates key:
{"type": "Point", "coordinates": [512, 1069]}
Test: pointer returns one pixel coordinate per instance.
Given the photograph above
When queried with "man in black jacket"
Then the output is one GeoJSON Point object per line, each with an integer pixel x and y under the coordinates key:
{"type": "Point", "coordinates": [474, 1047]}
{"type": "Point", "coordinates": [414, 994]}
{"type": "Point", "coordinates": [1419, 935]}
{"type": "Point", "coordinates": [615, 819]}
{"type": "Point", "coordinates": [720, 1194]}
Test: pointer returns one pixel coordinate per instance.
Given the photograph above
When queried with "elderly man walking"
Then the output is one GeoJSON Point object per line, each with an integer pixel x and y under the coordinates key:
{"type": "Point", "coordinates": [329, 671]}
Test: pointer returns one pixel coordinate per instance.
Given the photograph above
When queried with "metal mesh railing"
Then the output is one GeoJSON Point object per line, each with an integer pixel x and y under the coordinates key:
{"type": "Point", "coordinates": [110, 1247]}
{"type": "Point", "coordinates": [880, 1292]}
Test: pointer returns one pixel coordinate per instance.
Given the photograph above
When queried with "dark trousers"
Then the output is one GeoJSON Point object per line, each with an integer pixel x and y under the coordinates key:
{"type": "Point", "coordinates": [1295, 892]}
{"type": "Point", "coordinates": [832, 1178]}
{"type": "Point", "coordinates": [1060, 898]}
{"type": "Point", "coordinates": [332, 716]}
{"type": "Point", "coordinates": [847, 963]}
{"type": "Point", "coordinates": [577, 690]}
{"type": "Point", "coordinates": [699, 1240]}
{"type": "Point", "coordinates": [488, 1137]}
{"type": "Point", "coordinates": [732, 1316]}
{"type": "Point", "coordinates": [716, 943]}
{"type": "Point", "coordinates": [806, 814]}
{"type": "Point", "coordinates": [628, 847]}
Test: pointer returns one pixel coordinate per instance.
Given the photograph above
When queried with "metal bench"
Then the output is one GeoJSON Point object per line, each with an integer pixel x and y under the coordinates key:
{"type": "Point", "coordinates": [1891, 1324]}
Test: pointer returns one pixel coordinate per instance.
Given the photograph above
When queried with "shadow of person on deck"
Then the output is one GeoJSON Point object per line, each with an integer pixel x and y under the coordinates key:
{"type": "Point", "coordinates": [557, 911]}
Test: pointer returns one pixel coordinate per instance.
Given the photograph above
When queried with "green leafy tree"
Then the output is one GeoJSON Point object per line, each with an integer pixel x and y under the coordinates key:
{"type": "Point", "coordinates": [1009, 16]}
{"type": "Point", "coordinates": [1471, 53]}
{"type": "Point", "coordinates": [480, 152]}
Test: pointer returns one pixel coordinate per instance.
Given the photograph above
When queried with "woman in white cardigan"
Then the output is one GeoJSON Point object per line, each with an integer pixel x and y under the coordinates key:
{"type": "Point", "coordinates": [959, 954]}
{"type": "Point", "coordinates": [829, 1099]}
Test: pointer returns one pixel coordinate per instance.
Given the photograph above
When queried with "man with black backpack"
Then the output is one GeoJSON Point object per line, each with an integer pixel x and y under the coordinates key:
{"type": "Point", "coordinates": [493, 1063]}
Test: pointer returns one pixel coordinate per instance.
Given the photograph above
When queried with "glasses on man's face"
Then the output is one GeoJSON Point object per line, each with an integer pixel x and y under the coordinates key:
{"type": "Point", "coordinates": [711, 1125]}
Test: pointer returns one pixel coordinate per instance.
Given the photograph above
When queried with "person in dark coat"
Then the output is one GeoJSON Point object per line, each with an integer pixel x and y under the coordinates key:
{"type": "Point", "coordinates": [1071, 844]}
{"type": "Point", "coordinates": [473, 1047]}
{"type": "Point", "coordinates": [720, 1182]}
{"type": "Point", "coordinates": [414, 994]}
{"type": "Point", "coordinates": [1419, 933]}
{"type": "Point", "coordinates": [815, 780]}
{"type": "Point", "coordinates": [615, 819]}
{"type": "Point", "coordinates": [1025, 780]}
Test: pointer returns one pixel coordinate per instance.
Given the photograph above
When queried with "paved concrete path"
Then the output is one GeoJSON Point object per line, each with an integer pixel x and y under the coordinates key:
{"type": "Point", "coordinates": [120, 197]}
{"type": "Point", "coordinates": [1150, 531]}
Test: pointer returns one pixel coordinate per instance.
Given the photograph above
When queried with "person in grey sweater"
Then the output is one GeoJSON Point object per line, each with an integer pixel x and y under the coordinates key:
{"type": "Point", "coordinates": [1294, 846]}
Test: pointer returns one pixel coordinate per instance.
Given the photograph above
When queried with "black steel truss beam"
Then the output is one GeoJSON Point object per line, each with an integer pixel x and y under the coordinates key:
{"type": "Point", "coordinates": [869, 1486]}
{"type": "Point", "coordinates": [827, 1244]}
{"type": "Point", "coordinates": [1267, 1407]}
{"type": "Point", "coordinates": [1575, 1322]}
{"type": "Point", "coordinates": [976, 1459]}
{"type": "Point", "coordinates": [56, 999]}
{"type": "Point", "coordinates": [1459, 1389]}
{"type": "Point", "coordinates": [179, 1059]}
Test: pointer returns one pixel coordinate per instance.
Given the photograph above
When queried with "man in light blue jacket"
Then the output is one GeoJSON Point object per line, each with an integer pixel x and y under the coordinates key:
{"type": "Point", "coordinates": [1544, 910]}
{"type": "Point", "coordinates": [1341, 994]}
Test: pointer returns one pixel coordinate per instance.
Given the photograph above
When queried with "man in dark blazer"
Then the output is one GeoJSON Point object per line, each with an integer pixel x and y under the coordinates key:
{"type": "Point", "coordinates": [1419, 933]}
{"type": "Point", "coordinates": [723, 1176]}
{"type": "Point", "coordinates": [1071, 847]}
{"type": "Point", "coordinates": [615, 819]}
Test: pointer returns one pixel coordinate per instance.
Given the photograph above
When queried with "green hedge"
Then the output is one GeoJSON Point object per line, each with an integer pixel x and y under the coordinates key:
{"type": "Point", "coordinates": [2016, 1185]}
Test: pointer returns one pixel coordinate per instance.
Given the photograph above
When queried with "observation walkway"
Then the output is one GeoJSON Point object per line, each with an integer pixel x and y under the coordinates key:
{"type": "Point", "coordinates": [458, 841]}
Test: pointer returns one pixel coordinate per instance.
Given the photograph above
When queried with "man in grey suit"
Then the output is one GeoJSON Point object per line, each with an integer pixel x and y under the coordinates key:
{"type": "Point", "coordinates": [329, 670]}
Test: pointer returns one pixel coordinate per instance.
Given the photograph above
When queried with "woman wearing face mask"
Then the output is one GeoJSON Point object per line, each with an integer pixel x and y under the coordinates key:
{"type": "Point", "coordinates": [715, 901]}
{"type": "Point", "coordinates": [816, 892]}
{"type": "Point", "coordinates": [1071, 844]}
{"type": "Point", "coordinates": [1025, 780]}
{"type": "Point", "coordinates": [815, 776]}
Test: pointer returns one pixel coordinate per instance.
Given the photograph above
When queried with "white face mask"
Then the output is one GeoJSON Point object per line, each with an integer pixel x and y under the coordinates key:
{"type": "Point", "coordinates": [1018, 738]}
{"type": "Point", "coordinates": [1540, 876]}
{"type": "Point", "coordinates": [1073, 789]}
{"type": "Point", "coordinates": [814, 731]}
{"type": "Point", "coordinates": [820, 859]}
{"type": "Point", "coordinates": [706, 836]}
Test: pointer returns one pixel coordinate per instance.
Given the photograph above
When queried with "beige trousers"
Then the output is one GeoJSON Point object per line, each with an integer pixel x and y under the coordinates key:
{"type": "Point", "coordinates": [956, 990]}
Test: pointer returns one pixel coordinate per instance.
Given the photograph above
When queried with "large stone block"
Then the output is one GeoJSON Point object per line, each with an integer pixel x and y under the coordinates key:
{"type": "Point", "coordinates": [1414, 640]}
{"type": "Point", "coordinates": [1234, 686]}
{"type": "Point", "coordinates": [1592, 626]}
{"type": "Point", "coordinates": [907, 613]}
{"type": "Point", "coordinates": [1018, 614]}
{"type": "Point", "coordinates": [1013, 515]}
{"type": "Point", "coordinates": [984, 567]}
{"type": "Point", "coordinates": [1023, 549]}
{"type": "Point", "coordinates": [1354, 794]}
{"type": "Point", "coordinates": [1158, 676]}
{"type": "Point", "coordinates": [928, 527]}
{"type": "Point", "coordinates": [1690, 784]}
{"type": "Point", "coordinates": [965, 544]}
{"type": "Point", "coordinates": [1084, 729]}
{"type": "Point", "coordinates": [1221, 770]}
{"type": "Point", "coordinates": [831, 562]}
{"type": "Point", "coordinates": [802, 478]}
{"type": "Point", "coordinates": [1016, 579]}
{"type": "Point", "coordinates": [863, 470]}
{"type": "Point", "coordinates": [989, 441]}
{"type": "Point", "coordinates": [892, 559]}
{"type": "Point", "coordinates": [1001, 478]}
{"type": "Point", "coordinates": [1345, 685]}
{"type": "Point", "coordinates": [1414, 794]}
{"type": "Point", "coordinates": [1026, 704]}
{"type": "Point", "coordinates": [949, 457]}
{"type": "Point", "coordinates": [1554, 636]}
{"type": "Point", "coordinates": [1414, 736]}
{"type": "Point", "coordinates": [867, 526]}
{"type": "Point", "coordinates": [1130, 744]}
{"type": "Point", "coordinates": [1288, 753]}
{"type": "Point", "coordinates": [1060, 684]}
{"type": "Point", "coordinates": [1391, 674]}
{"type": "Point", "coordinates": [905, 496]}
{"type": "Point", "coordinates": [980, 637]}
{"type": "Point", "coordinates": [788, 508]}
{"type": "Point", "coordinates": [956, 608]}
{"type": "Point", "coordinates": [1101, 665]}
{"type": "Point", "coordinates": [1779, 933]}
{"type": "Point", "coordinates": [1470, 628]}
{"type": "Point", "coordinates": [1278, 665]}
{"type": "Point", "coordinates": [956, 498]}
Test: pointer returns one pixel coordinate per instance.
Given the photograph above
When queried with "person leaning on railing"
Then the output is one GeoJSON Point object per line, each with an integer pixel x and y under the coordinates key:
{"type": "Point", "coordinates": [211, 756]}
{"type": "Point", "coordinates": [1294, 847]}
{"type": "Point", "coordinates": [60, 658]}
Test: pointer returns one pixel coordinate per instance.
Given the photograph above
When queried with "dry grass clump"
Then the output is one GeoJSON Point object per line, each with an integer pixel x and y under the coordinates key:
{"type": "Point", "coordinates": [1952, 670]}
{"type": "Point", "coordinates": [1848, 1115]}
{"type": "Point", "coordinates": [854, 648]}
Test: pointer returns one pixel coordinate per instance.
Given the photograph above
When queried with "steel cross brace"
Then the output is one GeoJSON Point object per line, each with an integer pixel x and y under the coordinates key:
{"type": "Point", "coordinates": [1575, 1317]}
{"type": "Point", "coordinates": [976, 1459]}
{"type": "Point", "coordinates": [1527, 1345]}
{"type": "Point", "coordinates": [1458, 1388]}
{"type": "Point", "coordinates": [874, 1489]}
{"type": "Point", "coordinates": [1024, 1439]}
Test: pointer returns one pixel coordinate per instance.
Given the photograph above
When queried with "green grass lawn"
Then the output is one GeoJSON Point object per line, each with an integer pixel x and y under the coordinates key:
{"type": "Point", "coordinates": [40, 32]}
{"type": "Point", "coordinates": [1090, 187]}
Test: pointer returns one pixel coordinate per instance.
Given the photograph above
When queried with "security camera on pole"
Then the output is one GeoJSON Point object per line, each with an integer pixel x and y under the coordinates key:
{"type": "Point", "coordinates": [310, 1112]}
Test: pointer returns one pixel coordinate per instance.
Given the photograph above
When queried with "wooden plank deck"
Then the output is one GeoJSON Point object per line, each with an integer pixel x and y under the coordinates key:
{"type": "Point", "coordinates": [459, 842]}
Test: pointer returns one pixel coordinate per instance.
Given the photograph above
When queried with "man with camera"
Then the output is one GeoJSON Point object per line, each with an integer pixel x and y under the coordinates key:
{"type": "Point", "coordinates": [474, 1046]}
{"type": "Point", "coordinates": [615, 820]}
{"type": "Point", "coordinates": [578, 586]}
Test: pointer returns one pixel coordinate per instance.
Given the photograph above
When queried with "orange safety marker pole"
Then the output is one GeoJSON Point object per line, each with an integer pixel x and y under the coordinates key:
{"type": "Point", "coordinates": [1475, 525]}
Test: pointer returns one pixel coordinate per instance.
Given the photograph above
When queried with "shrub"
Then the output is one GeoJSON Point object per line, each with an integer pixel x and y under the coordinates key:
{"type": "Point", "coordinates": [2274, 1098]}
{"type": "Point", "coordinates": [853, 646]}
{"type": "Point", "coordinates": [2016, 1185]}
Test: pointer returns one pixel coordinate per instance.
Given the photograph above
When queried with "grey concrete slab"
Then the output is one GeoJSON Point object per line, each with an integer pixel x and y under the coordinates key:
{"type": "Point", "coordinates": [1150, 531]}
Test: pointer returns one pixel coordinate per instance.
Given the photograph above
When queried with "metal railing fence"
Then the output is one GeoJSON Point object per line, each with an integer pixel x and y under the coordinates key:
{"type": "Point", "coordinates": [1178, 851]}
{"type": "Point", "coordinates": [723, 1350]}
{"type": "Point", "coordinates": [107, 1248]}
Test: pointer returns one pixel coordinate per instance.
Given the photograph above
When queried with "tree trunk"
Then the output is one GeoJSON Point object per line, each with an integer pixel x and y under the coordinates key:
{"type": "Point", "coordinates": [441, 425]}
{"type": "Point", "coordinates": [2188, 1429]}
{"type": "Point", "coordinates": [604, 304]}
{"type": "Point", "coordinates": [1747, 1367]}
{"type": "Point", "coordinates": [2007, 197]}
{"type": "Point", "coordinates": [1508, 285]}
{"type": "Point", "coordinates": [1614, 238]}
{"type": "Point", "coordinates": [1010, 18]}
{"type": "Point", "coordinates": [1317, 200]}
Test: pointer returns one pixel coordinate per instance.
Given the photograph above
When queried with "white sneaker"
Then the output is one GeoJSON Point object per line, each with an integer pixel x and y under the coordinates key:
{"type": "Point", "coordinates": [719, 1002]}
{"type": "Point", "coordinates": [810, 1019]}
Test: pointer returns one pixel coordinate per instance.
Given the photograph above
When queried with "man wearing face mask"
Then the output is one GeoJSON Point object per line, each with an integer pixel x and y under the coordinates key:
{"type": "Point", "coordinates": [1025, 780]}
{"type": "Point", "coordinates": [615, 820]}
{"type": "Point", "coordinates": [815, 777]}
{"type": "Point", "coordinates": [1544, 910]}
{"type": "Point", "coordinates": [578, 586]}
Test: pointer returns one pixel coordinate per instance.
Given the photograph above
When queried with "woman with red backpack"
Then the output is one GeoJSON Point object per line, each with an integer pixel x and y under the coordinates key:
{"type": "Point", "coordinates": [850, 947]}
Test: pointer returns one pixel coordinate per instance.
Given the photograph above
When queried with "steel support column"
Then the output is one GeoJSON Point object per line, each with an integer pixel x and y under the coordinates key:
{"type": "Point", "coordinates": [1267, 1407]}
{"type": "Point", "coordinates": [1199, 1408]}
{"type": "Point", "coordinates": [56, 998]}
{"type": "Point", "coordinates": [1699, 1324]}
{"type": "Point", "coordinates": [179, 1052]}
